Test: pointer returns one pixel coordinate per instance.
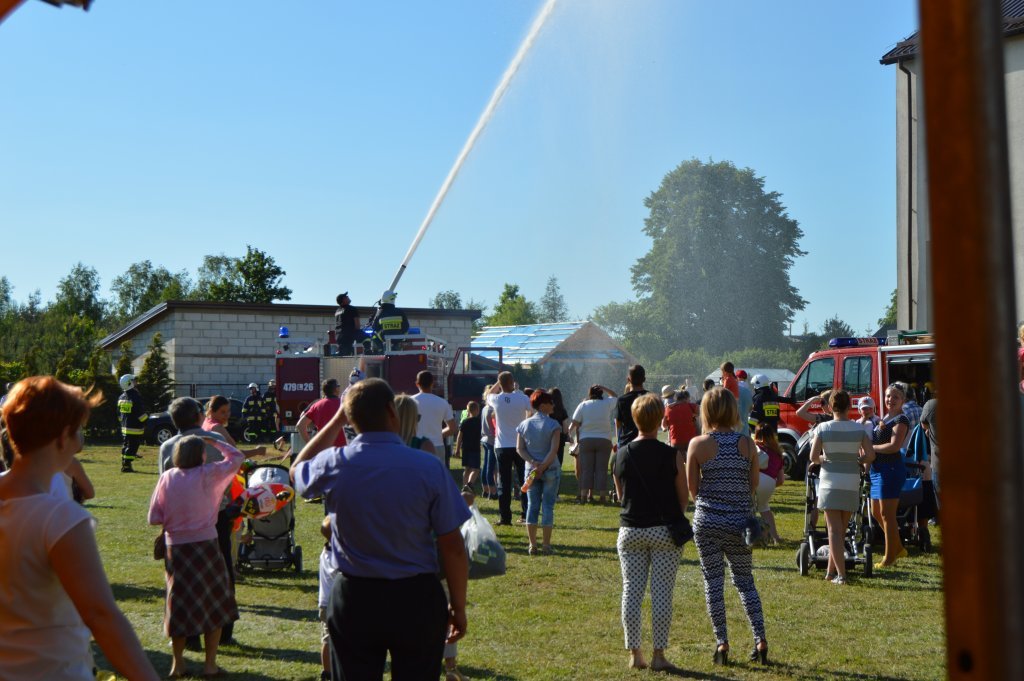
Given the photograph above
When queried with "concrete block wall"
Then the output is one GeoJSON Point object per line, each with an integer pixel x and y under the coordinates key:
{"type": "Point", "coordinates": [213, 347]}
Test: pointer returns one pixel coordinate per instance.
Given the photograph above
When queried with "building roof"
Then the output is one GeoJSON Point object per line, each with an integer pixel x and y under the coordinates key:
{"type": "Point", "coordinates": [534, 343]}
{"type": "Point", "coordinates": [1013, 24]}
{"type": "Point", "coordinates": [158, 312]}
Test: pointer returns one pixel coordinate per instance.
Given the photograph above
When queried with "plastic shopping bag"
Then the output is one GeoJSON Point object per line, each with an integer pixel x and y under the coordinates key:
{"type": "Point", "coordinates": [486, 554]}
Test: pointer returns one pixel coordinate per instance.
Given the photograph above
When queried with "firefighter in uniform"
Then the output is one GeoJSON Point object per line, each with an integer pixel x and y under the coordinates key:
{"type": "Point", "coordinates": [132, 412]}
{"type": "Point", "coordinates": [765, 408]}
{"type": "Point", "coordinates": [346, 324]}
{"type": "Point", "coordinates": [387, 321]}
{"type": "Point", "coordinates": [271, 421]}
{"type": "Point", "coordinates": [252, 414]}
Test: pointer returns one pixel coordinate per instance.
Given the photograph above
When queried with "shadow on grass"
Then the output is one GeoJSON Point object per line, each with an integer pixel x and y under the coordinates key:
{"type": "Point", "coordinates": [275, 654]}
{"type": "Point", "coordinates": [805, 674]}
{"type": "Point", "coordinates": [485, 673]}
{"type": "Point", "coordinates": [278, 612]}
{"type": "Point", "coordinates": [133, 592]}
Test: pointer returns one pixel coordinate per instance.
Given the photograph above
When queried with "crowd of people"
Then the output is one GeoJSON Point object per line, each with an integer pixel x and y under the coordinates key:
{"type": "Point", "coordinates": [393, 580]}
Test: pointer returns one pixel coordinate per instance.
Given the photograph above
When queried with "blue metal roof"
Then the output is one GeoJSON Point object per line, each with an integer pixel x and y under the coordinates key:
{"type": "Point", "coordinates": [528, 343]}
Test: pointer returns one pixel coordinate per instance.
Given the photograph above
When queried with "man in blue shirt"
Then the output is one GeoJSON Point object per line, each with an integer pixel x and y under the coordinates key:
{"type": "Point", "coordinates": [387, 502]}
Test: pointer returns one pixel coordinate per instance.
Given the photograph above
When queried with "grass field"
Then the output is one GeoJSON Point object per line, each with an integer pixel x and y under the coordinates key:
{"type": "Point", "coordinates": [555, 617]}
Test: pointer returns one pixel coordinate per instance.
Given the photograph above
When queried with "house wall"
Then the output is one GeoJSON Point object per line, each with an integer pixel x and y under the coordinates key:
{"type": "Point", "coordinates": [913, 249]}
{"type": "Point", "coordinates": [220, 348]}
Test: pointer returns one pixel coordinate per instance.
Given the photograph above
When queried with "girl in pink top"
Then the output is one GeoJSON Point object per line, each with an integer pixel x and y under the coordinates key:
{"type": "Point", "coordinates": [186, 500]}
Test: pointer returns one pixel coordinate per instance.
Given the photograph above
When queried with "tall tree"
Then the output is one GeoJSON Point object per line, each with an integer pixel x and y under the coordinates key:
{"type": "Point", "coordinates": [552, 303]}
{"type": "Point", "coordinates": [512, 309]}
{"type": "Point", "coordinates": [155, 382]}
{"type": "Point", "coordinates": [124, 361]}
{"type": "Point", "coordinates": [254, 278]}
{"type": "Point", "coordinates": [836, 328]}
{"type": "Point", "coordinates": [888, 317]}
{"type": "Point", "coordinates": [446, 300]}
{"type": "Point", "coordinates": [78, 294]}
{"type": "Point", "coordinates": [6, 301]}
{"type": "Point", "coordinates": [143, 286]}
{"type": "Point", "coordinates": [717, 273]}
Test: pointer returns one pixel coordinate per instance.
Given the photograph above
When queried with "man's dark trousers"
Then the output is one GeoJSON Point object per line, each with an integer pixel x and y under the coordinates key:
{"type": "Point", "coordinates": [130, 448]}
{"type": "Point", "coordinates": [367, 618]}
{"type": "Point", "coordinates": [507, 458]}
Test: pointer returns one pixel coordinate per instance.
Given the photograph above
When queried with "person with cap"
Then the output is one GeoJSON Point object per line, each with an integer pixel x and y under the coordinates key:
{"type": "Point", "coordinates": [346, 324]}
{"type": "Point", "coordinates": [252, 413]}
{"type": "Point", "coordinates": [868, 416]}
{"type": "Point", "coordinates": [133, 416]}
{"type": "Point", "coordinates": [387, 321]}
{"type": "Point", "coordinates": [668, 395]}
{"type": "Point", "coordinates": [745, 399]}
{"type": "Point", "coordinates": [271, 412]}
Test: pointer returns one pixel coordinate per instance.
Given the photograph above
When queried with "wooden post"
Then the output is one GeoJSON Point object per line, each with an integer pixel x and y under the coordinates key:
{"type": "Point", "coordinates": [982, 469]}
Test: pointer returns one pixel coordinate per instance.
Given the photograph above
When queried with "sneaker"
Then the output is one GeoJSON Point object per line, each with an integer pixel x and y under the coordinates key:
{"type": "Point", "coordinates": [521, 521]}
{"type": "Point", "coordinates": [127, 468]}
{"type": "Point", "coordinates": [839, 579]}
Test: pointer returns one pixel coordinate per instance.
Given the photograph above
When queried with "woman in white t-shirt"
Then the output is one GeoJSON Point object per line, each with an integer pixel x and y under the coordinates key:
{"type": "Point", "coordinates": [592, 424]}
{"type": "Point", "coordinates": [53, 590]}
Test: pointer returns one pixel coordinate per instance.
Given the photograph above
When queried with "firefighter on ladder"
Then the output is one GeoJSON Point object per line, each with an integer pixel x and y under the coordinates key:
{"type": "Point", "coordinates": [253, 414]}
{"type": "Point", "coordinates": [271, 413]}
{"type": "Point", "coordinates": [132, 412]}
{"type": "Point", "coordinates": [388, 321]}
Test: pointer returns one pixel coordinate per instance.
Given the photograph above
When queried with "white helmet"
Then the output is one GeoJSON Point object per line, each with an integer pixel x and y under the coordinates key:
{"type": "Point", "coordinates": [759, 381]}
{"type": "Point", "coordinates": [127, 382]}
{"type": "Point", "coordinates": [388, 297]}
{"type": "Point", "coordinates": [253, 385]}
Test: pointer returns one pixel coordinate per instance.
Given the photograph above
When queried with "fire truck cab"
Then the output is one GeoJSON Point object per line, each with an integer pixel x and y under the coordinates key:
{"type": "Point", "coordinates": [302, 365]}
{"type": "Point", "coordinates": [862, 367]}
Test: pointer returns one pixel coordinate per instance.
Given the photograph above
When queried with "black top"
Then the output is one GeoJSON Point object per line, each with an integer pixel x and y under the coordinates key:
{"type": "Point", "coordinates": [390, 321]}
{"type": "Point", "coordinates": [647, 470]}
{"type": "Point", "coordinates": [345, 321]}
{"type": "Point", "coordinates": [627, 429]}
{"type": "Point", "coordinates": [470, 430]}
{"type": "Point", "coordinates": [560, 415]}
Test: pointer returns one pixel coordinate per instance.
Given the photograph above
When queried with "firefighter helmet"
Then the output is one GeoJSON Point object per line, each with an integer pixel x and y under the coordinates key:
{"type": "Point", "coordinates": [127, 382]}
{"type": "Point", "coordinates": [253, 386]}
{"type": "Point", "coordinates": [388, 297]}
{"type": "Point", "coordinates": [759, 381]}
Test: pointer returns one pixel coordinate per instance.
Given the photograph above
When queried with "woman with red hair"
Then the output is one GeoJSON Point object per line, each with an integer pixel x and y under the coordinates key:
{"type": "Point", "coordinates": [53, 590]}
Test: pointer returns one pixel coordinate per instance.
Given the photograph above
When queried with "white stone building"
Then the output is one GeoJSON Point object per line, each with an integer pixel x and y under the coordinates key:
{"type": "Point", "coordinates": [218, 348]}
{"type": "Point", "coordinates": [913, 242]}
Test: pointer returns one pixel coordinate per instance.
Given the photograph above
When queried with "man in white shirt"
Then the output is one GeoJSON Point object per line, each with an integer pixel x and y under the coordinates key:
{"type": "Point", "coordinates": [511, 407]}
{"type": "Point", "coordinates": [436, 418]}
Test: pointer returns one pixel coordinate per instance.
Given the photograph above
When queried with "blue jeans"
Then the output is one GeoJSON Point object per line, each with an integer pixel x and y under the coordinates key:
{"type": "Point", "coordinates": [490, 465]}
{"type": "Point", "coordinates": [541, 498]}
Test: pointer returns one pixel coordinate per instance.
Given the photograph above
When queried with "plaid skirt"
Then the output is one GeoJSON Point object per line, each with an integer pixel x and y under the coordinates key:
{"type": "Point", "coordinates": [199, 595]}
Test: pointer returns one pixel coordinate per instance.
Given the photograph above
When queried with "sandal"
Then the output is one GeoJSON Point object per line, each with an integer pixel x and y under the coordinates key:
{"type": "Point", "coordinates": [454, 675]}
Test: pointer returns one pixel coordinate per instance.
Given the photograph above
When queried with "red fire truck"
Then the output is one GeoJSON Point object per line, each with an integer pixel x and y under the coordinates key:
{"type": "Point", "coordinates": [302, 365]}
{"type": "Point", "coordinates": [862, 367]}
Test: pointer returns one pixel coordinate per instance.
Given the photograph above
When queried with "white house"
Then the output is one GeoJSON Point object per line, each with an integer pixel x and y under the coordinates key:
{"type": "Point", "coordinates": [913, 267]}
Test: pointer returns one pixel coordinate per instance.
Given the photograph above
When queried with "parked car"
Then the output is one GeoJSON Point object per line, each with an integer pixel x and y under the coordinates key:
{"type": "Point", "coordinates": [159, 427]}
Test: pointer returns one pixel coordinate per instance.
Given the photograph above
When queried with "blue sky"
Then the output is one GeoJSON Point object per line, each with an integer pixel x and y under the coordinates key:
{"type": "Point", "coordinates": [320, 133]}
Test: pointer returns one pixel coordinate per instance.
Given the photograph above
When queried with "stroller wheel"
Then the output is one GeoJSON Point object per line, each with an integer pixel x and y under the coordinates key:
{"type": "Point", "coordinates": [868, 560]}
{"type": "Point", "coordinates": [926, 538]}
{"type": "Point", "coordinates": [297, 559]}
{"type": "Point", "coordinates": [803, 559]}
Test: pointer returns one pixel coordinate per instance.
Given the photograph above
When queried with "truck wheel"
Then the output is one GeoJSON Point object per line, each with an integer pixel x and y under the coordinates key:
{"type": "Point", "coordinates": [789, 458]}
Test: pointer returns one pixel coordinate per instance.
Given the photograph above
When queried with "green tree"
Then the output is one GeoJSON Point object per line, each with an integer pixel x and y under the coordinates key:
{"type": "Point", "coordinates": [512, 309]}
{"type": "Point", "coordinates": [155, 382]}
{"type": "Point", "coordinates": [836, 328]}
{"type": "Point", "coordinates": [78, 294]}
{"type": "Point", "coordinates": [144, 286]}
{"type": "Point", "coordinates": [717, 273]}
{"type": "Point", "coordinates": [255, 278]}
{"type": "Point", "coordinates": [888, 317]}
{"type": "Point", "coordinates": [104, 420]}
{"type": "Point", "coordinates": [124, 361]}
{"type": "Point", "coordinates": [552, 304]}
{"type": "Point", "coordinates": [446, 300]}
{"type": "Point", "coordinates": [5, 294]}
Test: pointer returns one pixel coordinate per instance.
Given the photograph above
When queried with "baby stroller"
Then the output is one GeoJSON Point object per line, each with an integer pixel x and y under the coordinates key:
{"type": "Point", "coordinates": [913, 532]}
{"type": "Point", "coordinates": [273, 537]}
{"type": "Point", "coordinates": [813, 550]}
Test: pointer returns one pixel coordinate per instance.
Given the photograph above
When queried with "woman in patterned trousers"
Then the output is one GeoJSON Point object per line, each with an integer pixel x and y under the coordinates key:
{"type": "Point", "coordinates": [650, 481]}
{"type": "Point", "coordinates": [722, 473]}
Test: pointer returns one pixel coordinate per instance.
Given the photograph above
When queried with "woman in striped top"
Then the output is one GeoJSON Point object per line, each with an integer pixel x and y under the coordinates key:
{"type": "Point", "coordinates": [840, 446]}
